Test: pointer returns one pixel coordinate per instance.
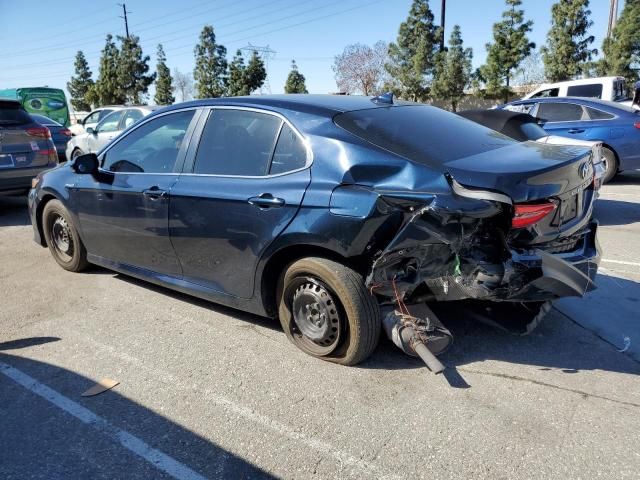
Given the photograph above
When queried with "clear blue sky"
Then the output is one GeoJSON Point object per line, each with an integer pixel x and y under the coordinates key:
{"type": "Point", "coordinates": [38, 39]}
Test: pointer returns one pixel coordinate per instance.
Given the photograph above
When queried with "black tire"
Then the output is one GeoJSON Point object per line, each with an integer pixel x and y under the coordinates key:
{"type": "Point", "coordinates": [611, 165]}
{"type": "Point", "coordinates": [76, 153]}
{"type": "Point", "coordinates": [355, 320]}
{"type": "Point", "coordinates": [62, 237]}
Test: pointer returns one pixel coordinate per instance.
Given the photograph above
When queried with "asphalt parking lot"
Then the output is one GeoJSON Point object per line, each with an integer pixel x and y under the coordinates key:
{"type": "Point", "coordinates": [207, 391]}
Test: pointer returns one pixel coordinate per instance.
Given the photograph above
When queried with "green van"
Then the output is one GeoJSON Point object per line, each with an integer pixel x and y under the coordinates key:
{"type": "Point", "coordinates": [50, 102]}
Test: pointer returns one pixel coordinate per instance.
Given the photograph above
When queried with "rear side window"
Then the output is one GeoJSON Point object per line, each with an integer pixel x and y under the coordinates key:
{"type": "Point", "coordinates": [560, 112]}
{"type": "Point", "coordinates": [290, 154]}
{"type": "Point", "coordinates": [598, 114]}
{"type": "Point", "coordinates": [13, 114]}
{"type": "Point", "coordinates": [237, 142]}
{"type": "Point", "coordinates": [421, 133]}
{"type": "Point", "coordinates": [592, 90]}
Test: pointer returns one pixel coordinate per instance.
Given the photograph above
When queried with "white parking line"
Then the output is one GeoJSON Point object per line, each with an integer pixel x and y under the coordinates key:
{"type": "Point", "coordinates": [621, 262]}
{"type": "Point", "coordinates": [130, 442]}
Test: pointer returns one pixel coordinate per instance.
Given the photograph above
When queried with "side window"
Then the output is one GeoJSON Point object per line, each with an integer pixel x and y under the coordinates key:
{"type": "Point", "coordinates": [559, 112]}
{"type": "Point", "coordinates": [598, 114]}
{"type": "Point", "coordinates": [103, 113]}
{"type": "Point", "coordinates": [592, 90]}
{"type": "Point", "coordinates": [94, 117]}
{"type": "Point", "coordinates": [551, 92]}
{"type": "Point", "coordinates": [290, 153]}
{"type": "Point", "coordinates": [131, 117]}
{"type": "Point", "coordinates": [237, 142]}
{"type": "Point", "coordinates": [110, 122]}
{"type": "Point", "coordinates": [521, 108]}
{"type": "Point", "coordinates": [152, 147]}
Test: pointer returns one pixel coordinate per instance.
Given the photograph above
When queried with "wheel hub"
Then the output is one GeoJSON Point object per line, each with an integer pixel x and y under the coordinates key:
{"type": "Point", "coordinates": [61, 235]}
{"type": "Point", "coordinates": [315, 314]}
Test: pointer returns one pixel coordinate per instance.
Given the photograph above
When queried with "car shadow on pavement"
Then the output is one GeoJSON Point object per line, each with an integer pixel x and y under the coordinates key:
{"type": "Point", "coordinates": [14, 211]}
{"type": "Point", "coordinates": [43, 437]}
{"type": "Point", "coordinates": [626, 178]}
{"type": "Point", "coordinates": [616, 212]}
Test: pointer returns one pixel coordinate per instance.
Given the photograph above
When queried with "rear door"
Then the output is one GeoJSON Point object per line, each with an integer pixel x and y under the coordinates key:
{"type": "Point", "coordinates": [244, 185]}
{"type": "Point", "coordinates": [564, 119]}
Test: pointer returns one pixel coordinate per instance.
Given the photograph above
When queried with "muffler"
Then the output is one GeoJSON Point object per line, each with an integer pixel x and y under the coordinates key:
{"type": "Point", "coordinates": [418, 332]}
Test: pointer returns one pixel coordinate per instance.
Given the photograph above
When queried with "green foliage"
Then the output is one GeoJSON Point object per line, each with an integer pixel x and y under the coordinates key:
{"type": "Point", "coordinates": [255, 74]}
{"type": "Point", "coordinates": [510, 47]}
{"type": "Point", "coordinates": [245, 79]}
{"type": "Point", "coordinates": [106, 90]}
{"type": "Point", "coordinates": [453, 70]}
{"type": "Point", "coordinates": [622, 49]}
{"type": "Point", "coordinates": [295, 81]}
{"type": "Point", "coordinates": [164, 89]}
{"type": "Point", "coordinates": [235, 84]}
{"type": "Point", "coordinates": [80, 85]}
{"type": "Point", "coordinates": [567, 51]}
{"type": "Point", "coordinates": [133, 68]}
{"type": "Point", "coordinates": [412, 57]}
{"type": "Point", "coordinates": [210, 73]}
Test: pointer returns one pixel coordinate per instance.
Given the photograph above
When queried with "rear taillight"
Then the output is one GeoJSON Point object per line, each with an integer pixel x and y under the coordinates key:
{"type": "Point", "coordinates": [66, 132]}
{"type": "Point", "coordinates": [525, 215]}
{"type": "Point", "coordinates": [637, 124]}
{"type": "Point", "coordinates": [42, 132]}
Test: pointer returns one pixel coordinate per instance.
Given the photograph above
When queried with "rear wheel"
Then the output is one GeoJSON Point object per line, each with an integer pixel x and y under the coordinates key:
{"type": "Point", "coordinates": [326, 311]}
{"type": "Point", "coordinates": [610, 164]}
{"type": "Point", "coordinates": [62, 237]}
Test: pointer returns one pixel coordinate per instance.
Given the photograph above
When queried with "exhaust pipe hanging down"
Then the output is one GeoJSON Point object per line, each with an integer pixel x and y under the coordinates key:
{"type": "Point", "coordinates": [416, 330]}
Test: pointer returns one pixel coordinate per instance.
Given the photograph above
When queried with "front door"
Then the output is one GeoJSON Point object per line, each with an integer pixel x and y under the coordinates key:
{"type": "Point", "coordinates": [104, 132]}
{"type": "Point", "coordinates": [123, 210]}
{"type": "Point", "coordinates": [245, 186]}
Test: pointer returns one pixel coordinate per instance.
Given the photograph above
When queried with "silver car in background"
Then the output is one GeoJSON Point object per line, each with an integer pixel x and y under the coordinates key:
{"type": "Point", "coordinates": [106, 130]}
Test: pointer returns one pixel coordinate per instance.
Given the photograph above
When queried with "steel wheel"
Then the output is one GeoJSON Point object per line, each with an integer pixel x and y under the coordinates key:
{"type": "Point", "coordinates": [610, 164]}
{"type": "Point", "coordinates": [316, 324]}
{"type": "Point", "coordinates": [62, 238]}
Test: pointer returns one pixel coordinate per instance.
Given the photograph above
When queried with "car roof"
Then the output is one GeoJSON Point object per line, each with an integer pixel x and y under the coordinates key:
{"type": "Point", "coordinates": [581, 81]}
{"type": "Point", "coordinates": [593, 102]}
{"type": "Point", "coordinates": [324, 105]}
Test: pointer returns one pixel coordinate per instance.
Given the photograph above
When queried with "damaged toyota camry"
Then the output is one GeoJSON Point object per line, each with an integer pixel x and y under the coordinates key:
{"type": "Point", "coordinates": [339, 215]}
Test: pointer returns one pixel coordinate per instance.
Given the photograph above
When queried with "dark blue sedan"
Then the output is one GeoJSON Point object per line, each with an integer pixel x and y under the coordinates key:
{"type": "Point", "coordinates": [616, 125]}
{"type": "Point", "coordinates": [59, 134]}
{"type": "Point", "coordinates": [325, 211]}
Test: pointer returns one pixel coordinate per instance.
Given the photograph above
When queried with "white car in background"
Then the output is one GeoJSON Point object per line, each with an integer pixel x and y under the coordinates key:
{"type": "Point", "coordinates": [106, 130]}
{"type": "Point", "coordinates": [91, 120]}
{"type": "Point", "coordinates": [613, 89]}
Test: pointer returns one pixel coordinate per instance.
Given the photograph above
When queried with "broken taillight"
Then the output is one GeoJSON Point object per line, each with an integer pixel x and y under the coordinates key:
{"type": "Point", "coordinates": [528, 214]}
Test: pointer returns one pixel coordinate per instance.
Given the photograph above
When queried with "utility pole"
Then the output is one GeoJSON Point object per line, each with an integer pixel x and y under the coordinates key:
{"type": "Point", "coordinates": [266, 54]}
{"type": "Point", "coordinates": [613, 16]}
{"type": "Point", "coordinates": [442, 16]}
{"type": "Point", "coordinates": [124, 16]}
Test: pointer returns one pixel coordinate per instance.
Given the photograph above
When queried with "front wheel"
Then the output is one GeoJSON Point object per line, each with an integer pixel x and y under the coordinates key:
{"type": "Point", "coordinates": [76, 153]}
{"type": "Point", "coordinates": [610, 164]}
{"type": "Point", "coordinates": [326, 311]}
{"type": "Point", "coordinates": [62, 237]}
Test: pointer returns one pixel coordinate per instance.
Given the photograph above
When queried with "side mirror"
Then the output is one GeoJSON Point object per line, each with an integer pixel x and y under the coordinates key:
{"type": "Point", "coordinates": [87, 163]}
{"type": "Point", "coordinates": [91, 130]}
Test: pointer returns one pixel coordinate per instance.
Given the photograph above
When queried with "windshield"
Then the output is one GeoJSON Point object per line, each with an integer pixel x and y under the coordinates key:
{"type": "Point", "coordinates": [13, 115]}
{"type": "Point", "coordinates": [421, 133]}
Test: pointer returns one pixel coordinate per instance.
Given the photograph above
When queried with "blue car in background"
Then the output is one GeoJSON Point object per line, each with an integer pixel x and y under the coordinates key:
{"type": "Point", "coordinates": [59, 134]}
{"type": "Point", "coordinates": [616, 125]}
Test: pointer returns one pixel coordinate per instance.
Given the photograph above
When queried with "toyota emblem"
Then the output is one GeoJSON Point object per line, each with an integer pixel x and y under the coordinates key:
{"type": "Point", "coordinates": [583, 170]}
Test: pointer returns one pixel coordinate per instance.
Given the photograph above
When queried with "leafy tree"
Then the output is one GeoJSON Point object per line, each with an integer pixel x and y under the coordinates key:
{"type": "Point", "coordinates": [360, 68]}
{"type": "Point", "coordinates": [453, 70]}
{"type": "Point", "coordinates": [106, 90]}
{"type": "Point", "coordinates": [295, 81]}
{"type": "Point", "coordinates": [530, 73]}
{"type": "Point", "coordinates": [210, 72]}
{"type": "Point", "coordinates": [183, 84]}
{"type": "Point", "coordinates": [412, 58]}
{"type": "Point", "coordinates": [164, 90]}
{"type": "Point", "coordinates": [235, 84]}
{"type": "Point", "coordinates": [567, 49]}
{"type": "Point", "coordinates": [133, 68]}
{"type": "Point", "coordinates": [510, 47]}
{"type": "Point", "coordinates": [80, 85]}
{"type": "Point", "coordinates": [622, 49]}
{"type": "Point", "coordinates": [255, 74]}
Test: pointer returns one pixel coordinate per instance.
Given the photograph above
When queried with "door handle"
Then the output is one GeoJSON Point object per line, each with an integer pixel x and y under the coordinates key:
{"type": "Point", "coordinates": [154, 193]}
{"type": "Point", "coordinates": [576, 130]}
{"type": "Point", "coordinates": [266, 200]}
